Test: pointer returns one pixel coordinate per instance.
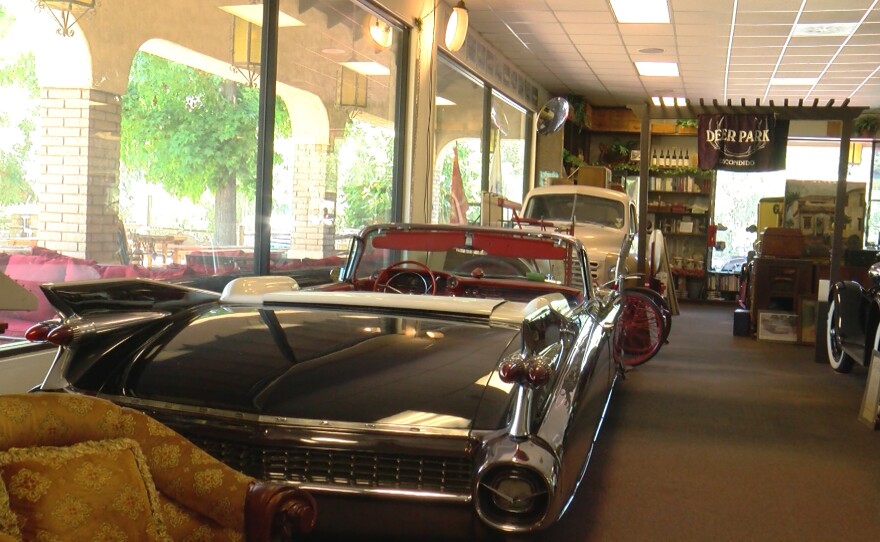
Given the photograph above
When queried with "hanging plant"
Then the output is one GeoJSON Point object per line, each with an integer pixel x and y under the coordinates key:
{"type": "Point", "coordinates": [866, 125]}
{"type": "Point", "coordinates": [578, 112]}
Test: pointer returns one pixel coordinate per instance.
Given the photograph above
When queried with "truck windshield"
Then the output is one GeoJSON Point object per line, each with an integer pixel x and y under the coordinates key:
{"type": "Point", "coordinates": [564, 207]}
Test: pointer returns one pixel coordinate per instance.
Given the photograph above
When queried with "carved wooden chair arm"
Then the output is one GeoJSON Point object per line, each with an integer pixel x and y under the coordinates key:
{"type": "Point", "coordinates": [275, 512]}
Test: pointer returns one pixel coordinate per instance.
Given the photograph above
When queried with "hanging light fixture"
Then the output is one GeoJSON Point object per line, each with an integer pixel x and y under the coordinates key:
{"type": "Point", "coordinates": [457, 27]}
{"type": "Point", "coordinates": [66, 13]}
{"type": "Point", "coordinates": [380, 32]}
{"type": "Point", "coordinates": [246, 55]}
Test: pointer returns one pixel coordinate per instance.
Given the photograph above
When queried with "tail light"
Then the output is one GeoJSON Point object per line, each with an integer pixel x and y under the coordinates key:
{"type": "Point", "coordinates": [38, 333]}
{"type": "Point", "coordinates": [534, 370]}
{"type": "Point", "coordinates": [61, 336]}
{"type": "Point", "coordinates": [76, 329]}
{"type": "Point", "coordinates": [50, 332]}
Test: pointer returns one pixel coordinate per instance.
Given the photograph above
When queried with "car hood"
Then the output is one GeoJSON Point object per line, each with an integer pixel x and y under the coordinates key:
{"type": "Point", "coordinates": [333, 365]}
{"type": "Point", "coordinates": [599, 239]}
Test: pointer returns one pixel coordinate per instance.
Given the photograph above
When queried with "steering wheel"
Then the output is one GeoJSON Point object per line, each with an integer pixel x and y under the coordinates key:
{"type": "Point", "coordinates": [491, 264]}
{"type": "Point", "coordinates": [384, 282]}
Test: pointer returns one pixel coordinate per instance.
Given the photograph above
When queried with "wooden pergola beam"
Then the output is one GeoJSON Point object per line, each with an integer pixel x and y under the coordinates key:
{"type": "Point", "coordinates": [842, 113]}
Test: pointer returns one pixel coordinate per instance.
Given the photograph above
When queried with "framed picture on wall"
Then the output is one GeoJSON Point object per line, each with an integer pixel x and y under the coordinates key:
{"type": "Point", "coordinates": [777, 326]}
{"type": "Point", "coordinates": [807, 320]}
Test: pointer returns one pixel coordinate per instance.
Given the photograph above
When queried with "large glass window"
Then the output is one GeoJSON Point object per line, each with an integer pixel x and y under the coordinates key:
{"type": "Point", "coordinates": [466, 182]}
{"type": "Point", "coordinates": [458, 132]}
{"type": "Point", "coordinates": [508, 149]}
{"type": "Point", "coordinates": [129, 141]}
{"type": "Point", "coordinates": [738, 194]}
{"type": "Point", "coordinates": [338, 74]}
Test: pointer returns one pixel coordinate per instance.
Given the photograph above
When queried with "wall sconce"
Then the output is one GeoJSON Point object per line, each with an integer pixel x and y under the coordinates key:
{"type": "Point", "coordinates": [351, 88]}
{"type": "Point", "coordinates": [457, 27]}
{"type": "Point", "coordinates": [66, 12]}
{"type": "Point", "coordinates": [246, 55]}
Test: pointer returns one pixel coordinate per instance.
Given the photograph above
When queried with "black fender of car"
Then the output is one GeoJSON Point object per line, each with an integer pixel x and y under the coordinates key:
{"type": "Point", "coordinates": [857, 313]}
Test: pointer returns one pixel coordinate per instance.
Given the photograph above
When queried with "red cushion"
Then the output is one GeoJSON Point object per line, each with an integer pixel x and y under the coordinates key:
{"type": "Point", "coordinates": [36, 268]}
{"type": "Point", "coordinates": [81, 270]}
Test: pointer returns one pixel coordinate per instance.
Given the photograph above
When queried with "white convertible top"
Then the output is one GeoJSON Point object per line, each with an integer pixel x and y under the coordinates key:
{"type": "Point", "coordinates": [285, 291]}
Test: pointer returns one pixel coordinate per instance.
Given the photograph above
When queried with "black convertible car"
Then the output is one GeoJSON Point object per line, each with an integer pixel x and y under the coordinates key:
{"type": "Point", "coordinates": [853, 327]}
{"type": "Point", "coordinates": [452, 381]}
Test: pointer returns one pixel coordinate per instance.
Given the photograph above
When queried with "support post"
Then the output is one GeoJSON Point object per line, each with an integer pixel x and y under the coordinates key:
{"type": "Point", "coordinates": [840, 204]}
{"type": "Point", "coordinates": [644, 165]}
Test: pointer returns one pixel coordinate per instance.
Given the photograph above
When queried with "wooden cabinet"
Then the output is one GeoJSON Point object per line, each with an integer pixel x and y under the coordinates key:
{"type": "Point", "coordinates": [777, 284]}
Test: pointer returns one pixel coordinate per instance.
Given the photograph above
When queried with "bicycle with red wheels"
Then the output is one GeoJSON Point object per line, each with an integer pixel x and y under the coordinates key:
{"type": "Point", "coordinates": [642, 327]}
{"type": "Point", "coordinates": [645, 320]}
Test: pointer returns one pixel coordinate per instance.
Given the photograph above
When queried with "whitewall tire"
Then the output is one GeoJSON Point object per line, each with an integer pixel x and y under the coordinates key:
{"type": "Point", "coordinates": [839, 360]}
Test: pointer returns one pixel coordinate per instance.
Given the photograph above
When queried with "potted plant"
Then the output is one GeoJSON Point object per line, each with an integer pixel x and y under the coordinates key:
{"type": "Point", "coordinates": [572, 161]}
{"type": "Point", "coordinates": [866, 125]}
{"type": "Point", "coordinates": [686, 126]}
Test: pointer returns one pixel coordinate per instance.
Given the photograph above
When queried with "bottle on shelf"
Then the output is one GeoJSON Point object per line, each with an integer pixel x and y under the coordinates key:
{"type": "Point", "coordinates": [666, 159]}
{"type": "Point", "coordinates": [687, 158]}
{"type": "Point", "coordinates": [654, 157]}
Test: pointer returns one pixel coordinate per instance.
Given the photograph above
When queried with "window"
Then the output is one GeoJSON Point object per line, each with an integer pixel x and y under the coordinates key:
{"type": "Point", "coordinates": [458, 132]}
{"type": "Point", "coordinates": [130, 148]}
{"type": "Point", "coordinates": [462, 173]}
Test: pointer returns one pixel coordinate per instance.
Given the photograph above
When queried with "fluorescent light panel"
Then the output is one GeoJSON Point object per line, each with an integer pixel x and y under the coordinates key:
{"type": "Point", "coordinates": [657, 69]}
{"type": "Point", "coordinates": [440, 100]}
{"type": "Point", "coordinates": [367, 68]}
{"type": "Point", "coordinates": [253, 13]}
{"type": "Point", "coordinates": [640, 11]}
{"type": "Point", "coordinates": [669, 101]}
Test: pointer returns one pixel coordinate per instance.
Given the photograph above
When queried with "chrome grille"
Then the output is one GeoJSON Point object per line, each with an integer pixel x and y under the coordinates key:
{"type": "Point", "coordinates": [344, 468]}
{"type": "Point", "coordinates": [594, 270]}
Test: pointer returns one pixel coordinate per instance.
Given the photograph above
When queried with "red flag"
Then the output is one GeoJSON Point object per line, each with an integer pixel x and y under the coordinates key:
{"type": "Point", "coordinates": [458, 204]}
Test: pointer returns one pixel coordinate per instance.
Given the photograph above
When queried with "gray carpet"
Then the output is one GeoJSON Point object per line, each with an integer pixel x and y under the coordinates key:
{"type": "Point", "coordinates": [729, 438]}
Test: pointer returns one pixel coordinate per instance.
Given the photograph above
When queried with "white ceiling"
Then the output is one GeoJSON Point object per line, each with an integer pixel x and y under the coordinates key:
{"type": "Point", "coordinates": [725, 49]}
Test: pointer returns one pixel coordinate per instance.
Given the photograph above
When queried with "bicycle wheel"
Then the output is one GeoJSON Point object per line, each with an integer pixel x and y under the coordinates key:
{"type": "Point", "coordinates": [661, 303]}
{"type": "Point", "coordinates": [639, 329]}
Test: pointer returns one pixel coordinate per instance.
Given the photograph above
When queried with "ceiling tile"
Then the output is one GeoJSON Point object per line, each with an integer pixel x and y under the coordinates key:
{"type": "Point", "coordinates": [589, 29]}
{"type": "Point", "coordinates": [569, 39]}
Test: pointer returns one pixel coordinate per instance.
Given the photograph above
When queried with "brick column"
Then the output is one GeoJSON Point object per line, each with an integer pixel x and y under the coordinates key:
{"type": "Point", "coordinates": [78, 188]}
{"type": "Point", "coordinates": [311, 237]}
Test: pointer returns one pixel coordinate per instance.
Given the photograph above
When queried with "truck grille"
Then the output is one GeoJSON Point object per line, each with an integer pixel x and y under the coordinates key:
{"type": "Point", "coordinates": [594, 270]}
{"type": "Point", "coordinates": [344, 469]}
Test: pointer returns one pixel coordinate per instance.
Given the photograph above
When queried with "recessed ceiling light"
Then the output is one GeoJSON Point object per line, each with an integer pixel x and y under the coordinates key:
{"type": "Point", "coordinates": [367, 68]}
{"type": "Point", "coordinates": [640, 11]}
{"type": "Point", "coordinates": [794, 81]}
{"type": "Point", "coordinates": [657, 69]}
{"type": "Point", "coordinates": [440, 100]}
{"type": "Point", "coordinates": [652, 51]}
{"type": "Point", "coordinates": [333, 51]}
{"type": "Point", "coordinates": [824, 29]}
{"type": "Point", "coordinates": [253, 13]}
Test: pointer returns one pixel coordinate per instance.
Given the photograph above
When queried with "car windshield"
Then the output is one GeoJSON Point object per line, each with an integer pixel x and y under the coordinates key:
{"type": "Point", "coordinates": [490, 252]}
{"type": "Point", "coordinates": [559, 207]}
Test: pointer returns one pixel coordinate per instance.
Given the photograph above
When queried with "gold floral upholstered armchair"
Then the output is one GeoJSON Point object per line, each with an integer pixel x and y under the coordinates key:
{"type": "Point", "coordinates": [78, 468]}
